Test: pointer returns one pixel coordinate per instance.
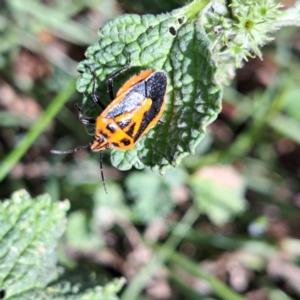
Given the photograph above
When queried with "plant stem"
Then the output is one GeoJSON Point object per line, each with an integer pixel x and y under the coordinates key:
{"type": "Point", "coordinates": [21, 148]}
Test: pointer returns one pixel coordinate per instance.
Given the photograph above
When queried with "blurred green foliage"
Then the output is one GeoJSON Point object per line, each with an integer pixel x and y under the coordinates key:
{"type": "Point", "coordinates": [229, 212]}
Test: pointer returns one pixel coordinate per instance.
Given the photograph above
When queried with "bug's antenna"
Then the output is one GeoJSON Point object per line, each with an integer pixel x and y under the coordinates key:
{"type": "Point", "coordinates": [101, 170]}
{"type": "Point", "coordinates": [71, 151]}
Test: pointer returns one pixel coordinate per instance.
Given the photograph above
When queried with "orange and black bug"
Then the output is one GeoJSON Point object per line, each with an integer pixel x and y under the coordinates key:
{"type": "Point", "coordinates": [136, 108]}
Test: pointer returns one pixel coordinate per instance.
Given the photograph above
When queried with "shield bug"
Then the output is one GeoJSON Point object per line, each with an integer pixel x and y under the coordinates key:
{"type": "Point", "coordinates": [137, 107]}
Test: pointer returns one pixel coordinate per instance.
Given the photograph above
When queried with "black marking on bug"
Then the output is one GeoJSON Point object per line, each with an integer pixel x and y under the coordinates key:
{"type": "Point", "coordinates": [125, 142]}
{"type": "Point", "coordinates": [2, 294]}
{"type": "Point", "coordinates": [156, 85]}
{"type": "Point", "coordinates": [100, 132]}
{"type": "Point", "coordinates": [111, 128]}
{"type": "Point", "coordinates": [124, 123]}
{"type": "Point", "coordinates": [131, 129]}
{"type": "Point", "coordinates": [115, 144]}
{"type": "Point", "coordinates": [173, 30]}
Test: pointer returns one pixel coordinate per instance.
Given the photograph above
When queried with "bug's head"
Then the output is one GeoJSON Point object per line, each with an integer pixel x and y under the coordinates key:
{"type": "Point", "coordinates": [99, 144]}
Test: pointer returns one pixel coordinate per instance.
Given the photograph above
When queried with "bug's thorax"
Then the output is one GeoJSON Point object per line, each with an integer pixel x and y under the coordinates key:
{"type": "Point", "coordinates": [109, 135]}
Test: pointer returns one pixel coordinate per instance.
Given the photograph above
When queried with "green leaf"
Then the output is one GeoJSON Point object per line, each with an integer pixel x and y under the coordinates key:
{"type": "Point", "coordinates": [176, 43]}
{"type": "Point", "coordinates": [151, 195]}
{"type": "Point", "coordinates": [288, 127]}
{"type": "Point", "coordinates": [80, 234]}
{"type": "Point", "coordinates": [29, 232]}
{"type": "Point", "coordinates": [115, 200]}
{"type": "Point", "coordinates": [81, 283]}
{"type": "Point", "coordinates": [219, 192]}
{"type": "Point", "coordinates": [109, 208]}
{"type": "Point", "coordinates": [292, 105]}
{"type": "Point", "coordinates": [108, 292]}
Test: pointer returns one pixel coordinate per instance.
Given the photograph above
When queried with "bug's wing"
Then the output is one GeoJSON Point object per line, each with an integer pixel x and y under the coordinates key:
{"type": "Point", "coordinates": [155, 89]}
{"type": "Point", "coordinates": [133, 81]}
{"type": "Point", "coordinates": [129, 104]}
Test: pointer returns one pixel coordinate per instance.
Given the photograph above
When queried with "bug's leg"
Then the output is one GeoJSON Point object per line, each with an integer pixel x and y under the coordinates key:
{"type": "Point", "coordinates": [161, 122]}
{"type": "Point", "coordinates": [101, 171]}
{"type": "Point", "coordinates": [82, 119]}
{"type": "Point", "coordinates": [72, 150]}
{"type": "Point", "coordinates": [94, 96]}
{"type": "Point", "coordinates": [114, 75]}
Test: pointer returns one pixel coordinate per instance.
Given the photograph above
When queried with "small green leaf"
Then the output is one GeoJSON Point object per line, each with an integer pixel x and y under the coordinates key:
{"type": "Point", "coordinates": [151, 195]}
{"type": "Point", "coordinates": [81, 283]}
{"type": "Point", "coordinates": [108, 208]}
{"type": "Point", "coordinates": [80, 234]}
{"type": "Point", "coordinates": [29, 232]}
{"type": "Point", "coordinates": [292, 105]}
{"type": "Point", "coordinates": [114, 201]}
{"type": "Point", "coordinates": [219, 192]}
{"type": "Point", "coordinates": [176, 43]}
{"type": "Point", "coordinates": [108, 292]}
{"type": "Point", "coordinates": [157, 201]}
